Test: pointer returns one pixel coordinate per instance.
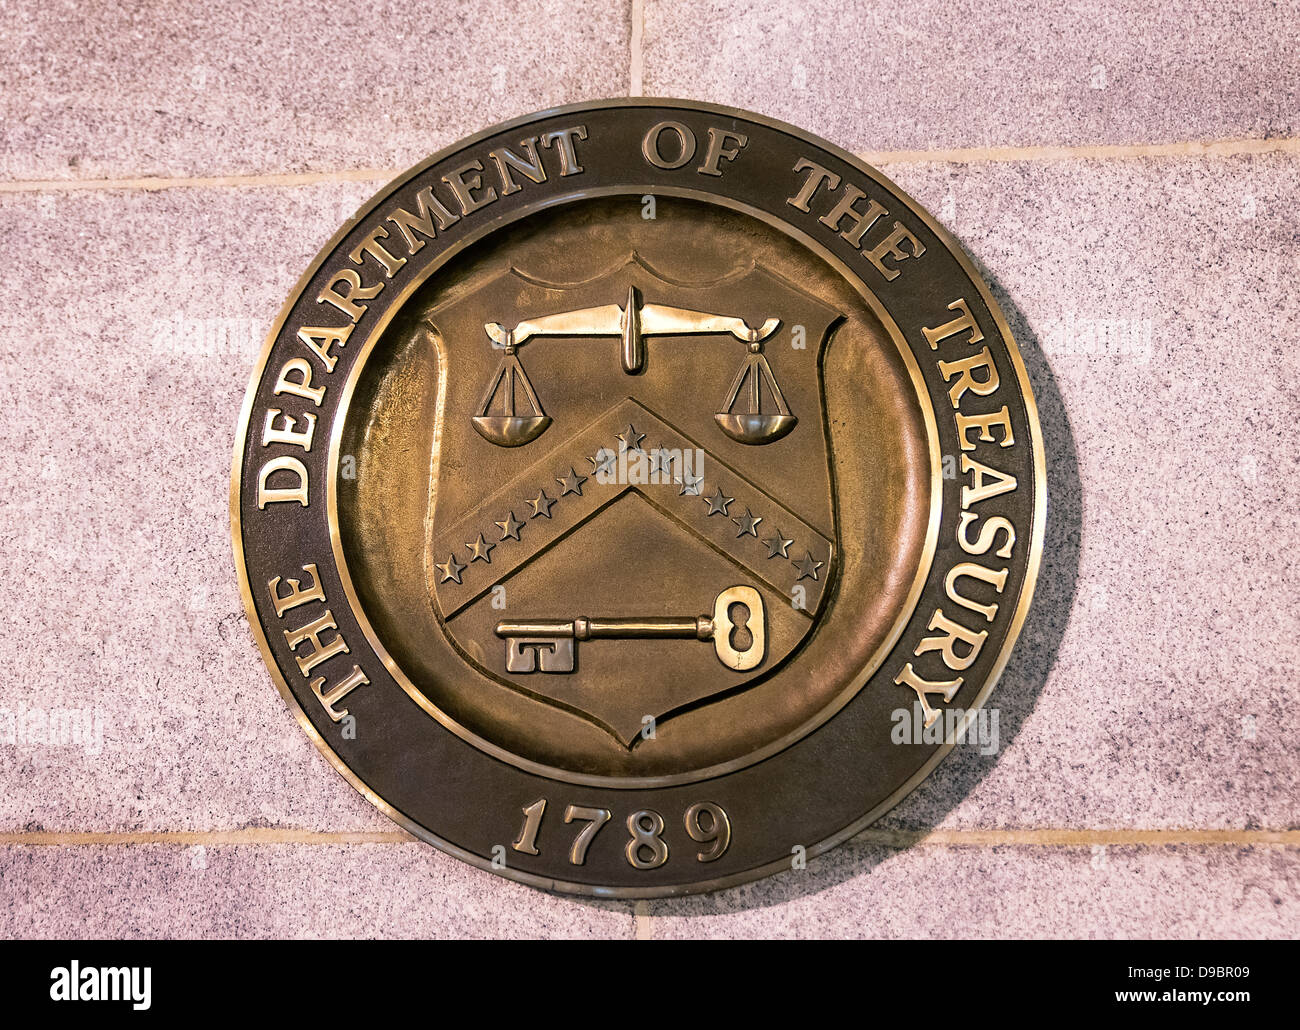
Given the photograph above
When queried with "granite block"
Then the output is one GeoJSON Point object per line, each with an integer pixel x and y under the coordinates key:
{"type": "Point", "coordinates": [125, 89]}
{"type": "Point", "coordinates": [1006, 892]}
{"type": "Point", "coordinates": [928, 74]}
{"type": "Point", "coordinates": [136, 698]}
{"type": "Point", "coordinates": [279, 891]}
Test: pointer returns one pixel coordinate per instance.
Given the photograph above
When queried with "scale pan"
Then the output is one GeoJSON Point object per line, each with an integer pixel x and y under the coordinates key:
{"type": "Point", "coordinates": [755, 429]}
{"type": "Point", "coordinates": [511, 430]}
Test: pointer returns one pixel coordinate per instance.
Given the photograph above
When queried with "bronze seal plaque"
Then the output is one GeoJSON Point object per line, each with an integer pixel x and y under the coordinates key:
{"type": "Point", "coordinates": [613, 479]}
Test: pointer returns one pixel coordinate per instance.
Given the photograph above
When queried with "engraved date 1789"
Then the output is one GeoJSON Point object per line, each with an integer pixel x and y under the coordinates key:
{"type": "Point", "coordinates": [706, 823]}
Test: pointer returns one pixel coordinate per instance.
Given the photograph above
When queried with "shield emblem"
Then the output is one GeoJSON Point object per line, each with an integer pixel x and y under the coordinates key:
{"type": "Point", "coordinates": [614, 528]}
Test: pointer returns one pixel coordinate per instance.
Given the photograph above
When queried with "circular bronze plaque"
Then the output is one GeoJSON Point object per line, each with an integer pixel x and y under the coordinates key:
{"type": "Point", "coordinates": [638, 498]}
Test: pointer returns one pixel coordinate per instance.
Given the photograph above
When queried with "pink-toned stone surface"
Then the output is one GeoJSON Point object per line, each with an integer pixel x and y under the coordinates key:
{"type": "Point", "coordinates": [127, 88]}
{"type": "Point", "coordinates": [1154, 684]}
{"type": "Point", "coordinates": [1007, 892]}
{"type": "Point", "coordinates": [409, 890]}
{"type": "Point", "coordinates": [279, 890]}
{"type": "Point", "coordinates": [931, 74]}
{"type": "Point", "coordinates": [122, 394]}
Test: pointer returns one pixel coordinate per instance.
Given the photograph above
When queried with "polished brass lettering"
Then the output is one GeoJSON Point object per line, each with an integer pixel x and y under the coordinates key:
{"type": "Point", "coordinates": [987, 535]}
{"type": "Point", "coordinates": [526, 844]}
{"type": "Point", "coordinates": [329, 698]}
{"type": "Point", "coordinates": [266, 494]}
{"type": "Point", "coordinates": [295, 595]}
{"type": "Point", "coordinates": [985, 483]}
{"type": "Point", "coordinates": [595, 818]}
{"type": "Point", "coordinates": [347, 301]}
{"type": "Point", "coordinates": [892, 247]}
{"type": "Point", "coordinates": [923, 688]}
{"type": "Point", "coordinates": [652, 145]}
{"type": "Point", "coordinates": [718, 151]}
{"type": "Point", "coordinates": [715, 832]}
{"type": "Point", "coordinates": [563, 141]}
{"type": "Point", "coordinates": [505, 159]}
{"type": "Point", "coordinates": [706, 823]}
{"type": "Point", "coordinates": [859, 221]}
{"type": "Point", "coordinates": [985, 424]}
{"type": "Point", "coordinates": [464, 181]}
{"type": "Point", "coordinates": [370, 246]}
{"type": "Point", "coordinates": [646, 849]}
{"type": "Point", "coordinates": [321, 341]}
{"type": "Point", "coordinates": [995, 578]}
{"type": "Point", "coordinates": [301, 386]}
{"type": "Point", "coordinates": [952, 634]}
{"type": "Point", "coordinates": [964, 368]}
{"type": "Point", "coordinates": [899, 244]}
{"type": "Point", "coordinates": [963, 323]}
{"type": "Point", "coordinates": [287, 434]}
{"type": "Point", "coordinates": [320, 651]}
{"type": "Point", "coordinates": [428, 211]}
{"type": "Point", "coordinates": [817, 178]}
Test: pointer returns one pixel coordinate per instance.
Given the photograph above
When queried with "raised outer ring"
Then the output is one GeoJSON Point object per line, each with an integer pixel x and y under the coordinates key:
{"type": "Point", "coordinates": [1037, 533]}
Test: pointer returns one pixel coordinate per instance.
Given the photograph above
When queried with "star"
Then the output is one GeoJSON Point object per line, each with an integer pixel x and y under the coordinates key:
{"type": "Point", "coordinates": [748, 523]}
{"type": "Point", "coordinates": [510, 528]}
{"type": "Point", "coordinates": [807, 566]}
{"type": "Point", "coordinates": [718, 503]}
{"type": "Point", "coordinates": [572, 483]}
{"type": "Point", "coordinates": [661, 461]}
{"type": "Point", "coordinates": [603, 461]}
{"type": "Point", "coordinates": [631, 440]}
{"type": "Point", "coordinates": [541, 505]}
{"type": "Point", "coordinates": [481, 549]}
{"type": "Point", "coordinates": [690, 485]}
{"type": "Point", "coordinates": [450, 569]}
{"type": "Point", "coordinates": [778, 546]}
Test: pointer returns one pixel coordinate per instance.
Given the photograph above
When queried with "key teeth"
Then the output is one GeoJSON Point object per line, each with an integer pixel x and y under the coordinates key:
{"type": "Point", "coordinates": [539, 654]}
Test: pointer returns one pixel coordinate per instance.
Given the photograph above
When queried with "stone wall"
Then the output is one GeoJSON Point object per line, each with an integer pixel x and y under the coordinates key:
{"type": "Point", "coordinates": [1126, 174]}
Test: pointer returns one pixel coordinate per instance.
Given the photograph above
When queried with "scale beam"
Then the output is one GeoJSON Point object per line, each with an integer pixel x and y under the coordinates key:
{"type": "Point", "coordinates": [632, 321]}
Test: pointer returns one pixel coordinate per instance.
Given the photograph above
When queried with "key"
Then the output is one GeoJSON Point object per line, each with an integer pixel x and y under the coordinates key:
{"type": "Point", "coordinates": [549, 645]}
